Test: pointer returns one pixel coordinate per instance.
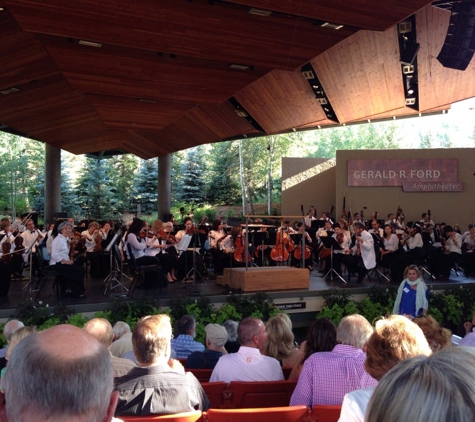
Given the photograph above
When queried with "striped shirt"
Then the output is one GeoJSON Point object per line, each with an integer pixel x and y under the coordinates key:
{"type": "Point", "coordinates": [184, 345]}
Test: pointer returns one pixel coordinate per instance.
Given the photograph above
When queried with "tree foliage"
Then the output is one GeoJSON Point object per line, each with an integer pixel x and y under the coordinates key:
{"type": "Point", "coordinates": [144, 188]}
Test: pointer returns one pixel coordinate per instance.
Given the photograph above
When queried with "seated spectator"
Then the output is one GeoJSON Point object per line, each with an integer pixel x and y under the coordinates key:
{"type": "Point", "coordinates": [248, 364]}
{"type": "Point", "coordinates": [101, 329]}
{"type": "Point", "coordinates": [438, 388]}
{"type": "Point", "coordinates": [216, 337]}
{"type": "Point", "coordinates": [185, 344]}
{"type": "Point", "coordinates": [122, 339]}
{"type": "Point", "coordinates": [394, 339]}
{"type": "Point", "coordinates": [60, 374]}
{"type": "Point", "coordinates": [327, 376]}
{"type": "Point", "coordinates": [280, 343]}
{"type": "Point", "coordinates": [8, 330]}
{"type": "Point", "coordinates": [469, 339]}
{"type": "Point", "coordinates": [158, 386]}
{"type": "Point", "coordinates": [321, 337]}
{"type": "Point", "coordinates": [437, 336]}
{"type": "Point", "coordinates": [232, 345]}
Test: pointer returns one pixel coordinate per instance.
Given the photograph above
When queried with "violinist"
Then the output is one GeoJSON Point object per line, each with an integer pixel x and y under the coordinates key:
{"type": "Point", "coordinates": [185, 262]}
{"type": "Point", "coordinates": [339, 254]}
{"type": "Point", "coordinates": [170, 240]}
{"type": "Point", "coordinates": [158, 248]}
{"type": "Point", "coordinates": [189, 229]}
{"type": "Point", "coordinates": [362, 251]}
{"type": "Point", "coordinates": [137, 238]}
{"type": "Point", "coordinates": [31, 237]}
{"type": "Point", "coordinates": [411, 254]}
{"type": "Point", "coordinates": [326, 217]}
{"type": "Point", "coordinates": [71, 271]}
{"type": "Point", "coordinates": [5, 268]}
{"type": "Point", "coordinates": [216, 236]}
{"type": "Point", "coordinates": [93, 239]}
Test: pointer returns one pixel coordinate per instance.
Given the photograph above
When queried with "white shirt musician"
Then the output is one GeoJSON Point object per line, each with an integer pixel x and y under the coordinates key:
{"type": "Point", "coordinates": [31, 236]}
{"type": "Point", "coordinates": [365, 244]}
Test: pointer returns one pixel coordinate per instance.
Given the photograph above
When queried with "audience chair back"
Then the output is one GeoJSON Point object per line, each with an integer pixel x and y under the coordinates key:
{"type": "Point", "coordinates": [270, 414]}
{"type": "Point", "coordinates": [203, 375]}
{"type": "Point", "coordinates": [260, 393]}
{"type": "Point", "coordinates": [215, 392]}
{"type": "Point", "coordinates": [325, 413]}
{"type": "Point", "coordinates": [176, 417]}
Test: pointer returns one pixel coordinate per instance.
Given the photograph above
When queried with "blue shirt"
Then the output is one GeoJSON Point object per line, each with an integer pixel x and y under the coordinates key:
{"type": "Point", "coordinates": [408, 301]}
{"type": "Point", "coordinates": [184, 345]}
{"type": "Point", "coordinates": [203, 360]}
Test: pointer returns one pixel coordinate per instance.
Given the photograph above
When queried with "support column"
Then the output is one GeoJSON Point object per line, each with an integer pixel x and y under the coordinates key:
{"type": "Point", "coordinates": [164, 185]}
{"type": "Point", "coordinates": [52, 182]}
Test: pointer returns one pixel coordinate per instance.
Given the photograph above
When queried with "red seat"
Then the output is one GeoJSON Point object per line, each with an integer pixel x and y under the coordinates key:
{"type": "Point", "coordinates": [176, 417]}
{"type": "Point", "coordinates": [203, 375]}
{"type": "Point", "coordinates": [270, 414]}
{"type": "Point", "coordinates": [260, 393]}
{"type": "Point", "coordinates": [325, 413]}
{"type": "Point", "coordinates": [286, 370]}
{"type": "Point", "coordinates": [214, 391]}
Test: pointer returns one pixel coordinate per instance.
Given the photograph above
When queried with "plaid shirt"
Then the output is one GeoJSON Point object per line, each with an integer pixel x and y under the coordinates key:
{"type": "Point", "coordinates": [184, 345]}
{"type": "Point", "coordinates": [327, 376]}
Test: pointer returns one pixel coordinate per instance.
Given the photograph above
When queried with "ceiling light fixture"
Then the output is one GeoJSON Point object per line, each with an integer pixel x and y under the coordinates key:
{"type": "Point", "coordinates": [260, 12]}
{"type": "Point", "coordinates": [331, 25]}
{"type": "Point", "coordinates": [9, 90]}
{"type": "Point", "coordinates": [90, 43]}
{"type": "Point", "coordinates": [239, 66]}
{"type": "Point", "coordinates": [147, 100]}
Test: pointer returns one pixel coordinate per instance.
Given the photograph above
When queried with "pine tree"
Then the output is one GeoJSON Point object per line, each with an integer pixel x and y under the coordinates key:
{"type": "Point", "coordinates": [145, 186]}
{"type": "Point", "coordinates": [123, 169]}
{"type": "Point", "coordinates": [193, 184]}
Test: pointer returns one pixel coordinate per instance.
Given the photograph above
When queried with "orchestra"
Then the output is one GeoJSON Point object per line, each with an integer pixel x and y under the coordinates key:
{"type": "Point", "coordinates": [389, 245]}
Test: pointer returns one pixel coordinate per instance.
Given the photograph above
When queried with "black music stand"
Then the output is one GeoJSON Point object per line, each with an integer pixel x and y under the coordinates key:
{"type": "Point", "coordinates": [263, 239]}
{"type": "Point", "coordinates": [331, 242]}
{"type": "Point", "coordinates": [317, 224]}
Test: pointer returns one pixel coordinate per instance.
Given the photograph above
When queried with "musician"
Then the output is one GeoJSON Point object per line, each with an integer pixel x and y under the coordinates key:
{"type": "Point", "coordinates": [362, 249]}
{"type": "Point", "coordinates": [171, 241]}
{"type": "Point", "coordinates": [344, 229]}
{"type": "Point", "coordinates": [285, 228]}
{"type": "Point", "coordinates": [467, 233]}
{"type": "Point", "coordinates": [425, 220]}
{"type": "Point", "coordinates": [310, 217]}
{"type": "Point", "coordinates": [308, 242]}
{"type": "Point", "coordinates": [393, 220]}
{"type": "Point", "coordinates": [186, 259]}
{"type": "Point", "coordinates": [216, 233]}
{"type": "Point", "coordinates": [106, 233]}
{"type": "Point", "coordinates": [378, 231]}
{"type": "Point", "coordinates": [94, 238]}
{"type": "Point", "coordinates": [5, 267]}
{"type": "Point", "coordinates": [158, 246]}
{"type": "Point", "coordinates": [389, 249]}
{"type": "Point", "coordinates": [71, 271]}
{"type": "Point", "coordinates": [325, 231]}
{"type": "Point", "coordinates": [137, 238]}
{"type": "Point", "coordinates": [31, 237]}
{"type": "Point", "coordinates": [469, 252]}
{"type": "Point", "coordinates": [90, 235]}
{"type": "Point", "coordinates": [339, 255]}
{"type": "Point", "coordinates": [6, 234]}
{"type": "Point", "coordinates": [411, 251]}
{"type": "Point", "coordinates": [326, 217]}
{"type": "Point", "coordinates": [444, 259]}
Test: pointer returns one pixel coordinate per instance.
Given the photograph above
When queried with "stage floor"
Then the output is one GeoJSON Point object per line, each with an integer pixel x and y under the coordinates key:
{"type": "Point", "coordinates": [96, 300]}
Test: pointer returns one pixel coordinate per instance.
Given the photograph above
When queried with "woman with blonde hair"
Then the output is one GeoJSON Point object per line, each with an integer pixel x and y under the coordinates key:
{"type": "Point", "coordinates": [280, 340]}
{"type": "Point", "coordinates": [412, 296]}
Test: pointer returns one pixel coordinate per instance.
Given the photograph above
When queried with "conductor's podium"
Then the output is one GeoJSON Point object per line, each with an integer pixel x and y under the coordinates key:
{"type": "Point", "coordinates": [256, 279]}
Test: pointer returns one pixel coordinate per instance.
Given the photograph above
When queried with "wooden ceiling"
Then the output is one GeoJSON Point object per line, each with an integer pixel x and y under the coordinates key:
{"type": "Point", "coordinates": [161, 80]}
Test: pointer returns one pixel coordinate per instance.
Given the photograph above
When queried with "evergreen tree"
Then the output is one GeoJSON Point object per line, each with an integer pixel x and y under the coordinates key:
{"type": "Point", "coordinates": [193, 184]}
{"type": "Point", "coordinates": [145, 186]}
{"type": "Point", "coordinates": [94, 190]}
{"type": "Point", "coordinates": [122, 170]}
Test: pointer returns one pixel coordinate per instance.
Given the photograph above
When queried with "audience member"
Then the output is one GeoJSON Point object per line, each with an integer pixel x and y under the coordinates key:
{"type": "Point", "coordinates": [8, 330]}
{"type": "Point", "coordinates": [158, 385]}
{"type": "Point", "coordinates": [216, 337]}
{"type": "Point", "coordinates": [280, 343]}
{"type": "Point", "coordinates": [393, 340]}
{"type": "Point", "coordinates": [61, 374]}
{"type": "Point", "coordinates": [122, 339]}
{"type": "Point", "coordinates": [412, 296]}
{"type": "Point", "coordinates": [232, 345]}
{"type": "Point", "coordinates": [469, 339]}
{"type": "Point", "coordinates": [321, 337]}
{"type": "Point", "coordinates": [101, 329]}
{"type": "Point", "coordinates": [248, 364]}
{"type": "Point", "coordinates": [185, 344]}
{"type": "Point", "coordinates": [438, 388]}
{"type": "Point", "coordinates": [327, 376]}
{"type": "Point", "coordinates": [437, 336]}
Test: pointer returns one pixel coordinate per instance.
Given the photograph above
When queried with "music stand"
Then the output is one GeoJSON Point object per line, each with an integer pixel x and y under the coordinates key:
{"type": "Point", "coordinates": [111, 281]}
{"type": "Point", "coordinates": [263, 239]}
{"type": "Point", "coordinates": [317, 224]}
{"type": "Point", "coordinates": [330, 242]}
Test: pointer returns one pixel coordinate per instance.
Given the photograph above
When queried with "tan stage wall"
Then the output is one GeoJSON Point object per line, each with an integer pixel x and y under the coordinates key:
{"type": "Point", "coordinates": [450, 207]}
{"type": "Point", "coordinates": [307, 182]}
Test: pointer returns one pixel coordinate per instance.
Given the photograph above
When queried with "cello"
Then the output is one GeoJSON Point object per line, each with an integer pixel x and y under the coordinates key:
{"type": "Point", "coordinates": [279, 252]}
{"type": "Point", "coordinates": [239, 251]}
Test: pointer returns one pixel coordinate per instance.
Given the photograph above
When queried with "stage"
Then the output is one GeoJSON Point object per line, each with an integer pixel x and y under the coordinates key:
{"type": "Point", "coordinates": [301, 303]}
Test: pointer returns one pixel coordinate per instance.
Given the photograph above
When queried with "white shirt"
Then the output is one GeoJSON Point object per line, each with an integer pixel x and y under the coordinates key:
{"type": "Point", "coordinates": [391, 244]}
{"type": "Point", "coordinates": [355, 404]}
{"type": "Point", "coordinates": [455, 245]}
{"type": "Point", "coordinates": [59, 249]}
{"type": "Point", "coordinates": [138, 245]}
{"type": "Point", "coordinates": [367, 250]}
{"type": "Point", "coordinates": [28, 239]}
{"type": "Point", "coordinates": [247, 365]}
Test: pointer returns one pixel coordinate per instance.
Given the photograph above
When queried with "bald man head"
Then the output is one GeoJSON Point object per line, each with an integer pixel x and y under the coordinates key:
{"type": "Point", "coordinates": [60, 374]}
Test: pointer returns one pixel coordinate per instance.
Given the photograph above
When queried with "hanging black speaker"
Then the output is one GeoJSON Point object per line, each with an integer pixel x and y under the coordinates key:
{"type": "Point", "coordinates": [459, 45]}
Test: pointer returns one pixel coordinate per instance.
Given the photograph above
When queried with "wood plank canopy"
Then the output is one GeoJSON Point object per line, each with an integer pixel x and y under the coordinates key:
{"type": "Point", "coordinates": [160, 78]}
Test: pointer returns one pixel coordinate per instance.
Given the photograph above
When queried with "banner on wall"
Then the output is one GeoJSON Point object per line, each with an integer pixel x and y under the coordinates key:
{"type": "Point", "coordinates": [414, 175]}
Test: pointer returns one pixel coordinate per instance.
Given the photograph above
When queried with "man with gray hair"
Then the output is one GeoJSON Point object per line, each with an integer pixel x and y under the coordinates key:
{"type": "Point", "coordinates": [216, 337]}
{"type": "Point", "coordinates": [8, 331]}
{"type": "Point", "coordinates": [61, 374]}
{"type": "Point", "coordinates": [122, 339]}
{"type": "Point", "coordinates": [159, 385]}
{"type": "Point", "coordinates": [101, 329]}
{"type": "Point", "coordinates": [327, 376]}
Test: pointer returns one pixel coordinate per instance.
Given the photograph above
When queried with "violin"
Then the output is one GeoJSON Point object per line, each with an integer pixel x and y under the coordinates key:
{"type": "Point", "coordinates": [97, 242]}
{"type": "Point", "coordinates": [6, 247]}
{"type": "Point", "coordinates": [191, 231]}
